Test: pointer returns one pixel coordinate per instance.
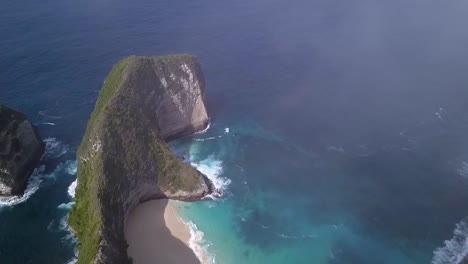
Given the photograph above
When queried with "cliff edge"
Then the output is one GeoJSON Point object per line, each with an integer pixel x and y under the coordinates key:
{"type": "Point", "coordinates": [21, 149]}
{"type": "Point", "coordinates": [123, 159]}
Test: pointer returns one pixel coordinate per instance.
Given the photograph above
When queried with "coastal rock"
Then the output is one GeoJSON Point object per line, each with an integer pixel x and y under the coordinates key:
{"type": "Point", "coordinates": [124, 160]}
{"type": "Point", "coordinates": [20, 151]}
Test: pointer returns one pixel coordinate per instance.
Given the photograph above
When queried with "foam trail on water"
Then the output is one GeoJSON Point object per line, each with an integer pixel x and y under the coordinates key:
{"type": "Point", "coordinates": [48, 123]}
{"type": "Point", "coordinates": [55, 148]}
{"type": "Point", "coordinates": [338, 149]}
{"type": "Point", "coordinates": [32, 187]}
{"type": "Point", "coordinates": [43, 113]}
{"type": "Point", "coordinates": [205, 139]}
{"type": "Point", "coordinates": [455, 250]}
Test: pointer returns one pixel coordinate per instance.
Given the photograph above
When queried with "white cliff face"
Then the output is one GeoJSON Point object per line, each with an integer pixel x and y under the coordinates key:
{"type": "Point", "coordinates": [182, 109]}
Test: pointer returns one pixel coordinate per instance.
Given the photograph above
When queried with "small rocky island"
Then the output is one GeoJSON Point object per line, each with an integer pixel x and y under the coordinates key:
{"type": "Point", "coordinates": [124, 160]}
{"type": "Point", "coordinates": [21, 149]}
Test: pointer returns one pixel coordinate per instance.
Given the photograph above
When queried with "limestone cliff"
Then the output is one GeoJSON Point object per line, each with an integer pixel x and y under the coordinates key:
{"type": "Point", "coordinates": [123, 159]}
{"type": "Point", "coordinates": [20, 151]}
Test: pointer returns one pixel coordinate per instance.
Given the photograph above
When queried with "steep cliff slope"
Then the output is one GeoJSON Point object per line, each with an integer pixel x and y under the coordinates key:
{"type": "Point", "coordinates": [123, 159]}
{"type": "Point", "coordinates": [20, 151]}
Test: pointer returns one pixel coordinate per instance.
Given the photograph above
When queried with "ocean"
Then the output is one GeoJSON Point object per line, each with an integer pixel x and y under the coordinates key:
{"type": "Point", "coordinates": [338, 128]}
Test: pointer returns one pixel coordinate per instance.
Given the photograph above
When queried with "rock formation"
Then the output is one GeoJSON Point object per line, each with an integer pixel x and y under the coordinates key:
{"type": "Point", "coordinates": [123, 159]}
{"type": "Point", "coordinates": [20, 151]}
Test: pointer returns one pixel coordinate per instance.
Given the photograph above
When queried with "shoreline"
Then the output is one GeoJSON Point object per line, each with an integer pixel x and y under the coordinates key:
{"type": "Point", "coordinates": [196, 236]}
{"type": "Point", "coordinates": [156, 233]}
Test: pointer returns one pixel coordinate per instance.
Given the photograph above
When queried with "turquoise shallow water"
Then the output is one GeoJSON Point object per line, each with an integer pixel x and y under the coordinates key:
{"type": "Point", "coordinates": [347, 122]}
{"type": "Point", "coordinates": [257, 222]}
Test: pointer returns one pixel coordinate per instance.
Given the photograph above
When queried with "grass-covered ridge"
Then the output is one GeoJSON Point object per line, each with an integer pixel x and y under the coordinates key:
{"type": "Point", "coordinates": [84, 217]}
{"type": "Point", "coordinates": [123, 159]}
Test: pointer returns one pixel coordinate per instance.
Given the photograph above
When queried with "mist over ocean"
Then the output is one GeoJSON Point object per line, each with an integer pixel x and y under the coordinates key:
{"type": "Point", "coordinates": [339, 129]}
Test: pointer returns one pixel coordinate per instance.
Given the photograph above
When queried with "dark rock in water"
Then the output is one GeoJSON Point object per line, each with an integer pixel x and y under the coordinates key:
{"type": "Point", "coordinates": [21, 149]}
{"type": "Point", "coordinates": [124, 160]}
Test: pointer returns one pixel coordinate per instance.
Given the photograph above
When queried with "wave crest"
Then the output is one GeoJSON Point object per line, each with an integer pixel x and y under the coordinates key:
{"type": "Point", "coordinates": [199, 245]}
{"type": "Point", "coordinates": [455, 250]}
{"type": "Point", "coordinates": [213, 169]}
{"type": "Point", "coordinates": [72, 188]}
{"type": "Point", "coordinates": [33, 185]}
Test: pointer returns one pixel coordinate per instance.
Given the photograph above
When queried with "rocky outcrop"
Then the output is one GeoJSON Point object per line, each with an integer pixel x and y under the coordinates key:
{"type": "Point", "coordinates": [123, 159]}
{"type": "Point", "coordinates": [20, 151]}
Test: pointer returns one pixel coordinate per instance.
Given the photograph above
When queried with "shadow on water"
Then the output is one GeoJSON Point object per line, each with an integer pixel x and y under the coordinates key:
{"type": "Point", "coordinates": [149, 239]}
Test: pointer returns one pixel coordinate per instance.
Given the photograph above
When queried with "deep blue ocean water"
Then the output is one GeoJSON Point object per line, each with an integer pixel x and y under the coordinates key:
{"type": "Point", "coordinates": [339, 128]}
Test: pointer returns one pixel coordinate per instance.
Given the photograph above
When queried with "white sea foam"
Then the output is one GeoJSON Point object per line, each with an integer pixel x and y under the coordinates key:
{"type": "Point", "coordinates": [307, 236]}
{"type": "Point", "coordinates": [198, 244]}
{"type": "Point", "coordinates": [205, 139]}
{"type": "Point", "coordinates": [35, 181]}
{"type": "Point", "coordinates": [72, 188]}
{"type": "Point", "coordinates": [72, 167]}
{"type": "Point", "coordinates": [463, 170]}
{"type": "Point", "coordinates": [55, 148]}
{"type": "Point", "coordinates": [69, 237]}
{"type": "Point", "coordinates": [204, 130]}
{"type": "Point", "coordinates": [48, 123]}
{"type": "Point", "coordinates": [213, 169]}
{"type": "Point", "coordinates": [43, 113]}
{"type": "Point", "coordinates": [73, 260]}
{"type": "Point", "coordinates": [455, 249]}
{"type": "Point", "coordinates": [66, 206]}
{"type": "Point", "coordinates": [33, 185]}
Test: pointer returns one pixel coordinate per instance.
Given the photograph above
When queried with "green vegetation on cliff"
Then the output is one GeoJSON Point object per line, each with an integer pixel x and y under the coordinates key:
{"type": "Point", "coordinates": [123, 160]}
{"type": "Point", "coordinates": [84, 216]}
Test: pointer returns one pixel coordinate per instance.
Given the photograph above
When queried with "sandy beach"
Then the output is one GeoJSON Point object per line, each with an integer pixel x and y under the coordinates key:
{"type": "Point", "coordinates": [156, 234]}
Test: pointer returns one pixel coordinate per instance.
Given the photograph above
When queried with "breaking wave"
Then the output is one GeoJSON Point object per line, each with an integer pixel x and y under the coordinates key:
{"type": "Point", "coordinates": [72, 188]}
{"type": "Point", "coordinates": [35, 181]}
{"type": "Point", "coordinates": [213, 169]}
{"type": "Point", "coordinates": [455, 250]}
{"type": "Point", "coordinates": [33, 185]}
{"type": "Point", "coordinates": [198, 244]}
{"type": "Point", "coordinates": [285, 236]}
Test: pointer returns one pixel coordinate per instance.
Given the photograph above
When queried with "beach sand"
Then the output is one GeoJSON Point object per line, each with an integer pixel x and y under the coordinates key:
{"type": "Point", "coordinates": [156, 234]}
